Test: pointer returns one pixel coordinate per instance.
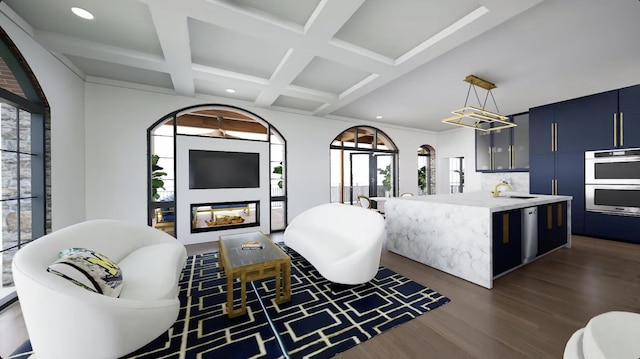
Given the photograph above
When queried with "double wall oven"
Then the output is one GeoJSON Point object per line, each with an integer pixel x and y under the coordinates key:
{"type": "Point", "coordinates": [612, 181]}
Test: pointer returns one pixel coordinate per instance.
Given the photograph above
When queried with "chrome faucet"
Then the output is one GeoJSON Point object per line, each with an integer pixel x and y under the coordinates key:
{"type": "Point", "coordinates": [495, 192]}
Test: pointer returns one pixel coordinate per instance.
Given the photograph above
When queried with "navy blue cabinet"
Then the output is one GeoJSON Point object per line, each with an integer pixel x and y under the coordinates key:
{"type": "Point", "coordinates": [613, 227]}
{"type": "Point", "coordinates": [507, 240]}
{"type": "Point", "coordinates": [541, 130]}
{"type": "Point", "coordinates": [556, 164]}
{"type": "Point", "coordinates": [552, 226]}
{"type": "Point", "coordinates": [629, 117]}
{"type": "Point", "coordinates": [569, 169]}
{"type": "Point", "coordinates": [560, 133]}
{"type": "Point", "coordinates": [586, 123]}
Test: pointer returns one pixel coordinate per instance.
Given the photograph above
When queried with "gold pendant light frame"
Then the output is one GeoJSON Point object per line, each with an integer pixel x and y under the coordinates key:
{"type": "Point", "coordinates": [479, 119]}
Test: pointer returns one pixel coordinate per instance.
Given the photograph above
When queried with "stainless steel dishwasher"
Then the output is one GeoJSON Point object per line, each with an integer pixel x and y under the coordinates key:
{"type": "Point", "coordinates": [529, 234]}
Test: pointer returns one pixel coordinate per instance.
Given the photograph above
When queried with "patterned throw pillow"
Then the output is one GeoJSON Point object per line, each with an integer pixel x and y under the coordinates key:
{"type": "Point", "coordinates": [90, 270]}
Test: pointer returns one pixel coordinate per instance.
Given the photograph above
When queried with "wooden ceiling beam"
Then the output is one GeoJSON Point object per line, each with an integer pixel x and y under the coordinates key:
{"type": "Point", "coordinates": [191, 120]}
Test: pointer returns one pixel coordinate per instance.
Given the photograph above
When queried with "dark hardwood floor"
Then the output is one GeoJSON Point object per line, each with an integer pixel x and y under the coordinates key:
{"type": "Point", "coordinates": [530, 313]}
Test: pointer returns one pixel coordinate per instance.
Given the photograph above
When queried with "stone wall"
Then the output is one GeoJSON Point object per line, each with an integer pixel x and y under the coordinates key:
{"type": "Point", "coordinates": [15, 226]}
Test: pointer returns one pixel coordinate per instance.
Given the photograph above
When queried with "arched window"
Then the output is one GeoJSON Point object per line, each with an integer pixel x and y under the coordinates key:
{"type": "Point", "coordinates": [221, 153]}
{"type": "Point", "coordinates": [23, 117]}
{"type": "Point", "coordinates": [426, 170]}
{"type": "Point", "coordinates": [363, 162]}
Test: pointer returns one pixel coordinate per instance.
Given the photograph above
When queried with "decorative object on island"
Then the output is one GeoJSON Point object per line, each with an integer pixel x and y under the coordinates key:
{"type": "Point", "coordinates": [480, 119]}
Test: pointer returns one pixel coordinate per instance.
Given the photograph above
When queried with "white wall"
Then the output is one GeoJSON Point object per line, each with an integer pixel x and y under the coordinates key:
{"type": "Point", "coordinates": [459, 142]}
{"type": "Point", "coordinates": [64, 91]}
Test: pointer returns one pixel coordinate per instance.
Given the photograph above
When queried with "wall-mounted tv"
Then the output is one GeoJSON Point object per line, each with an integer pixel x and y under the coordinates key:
{"type": "Point", "coordinates": [220, 169]}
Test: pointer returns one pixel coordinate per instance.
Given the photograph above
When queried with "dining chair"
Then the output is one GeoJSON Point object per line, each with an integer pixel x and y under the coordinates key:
{"type": "Point", "coordinates": [364, 201]}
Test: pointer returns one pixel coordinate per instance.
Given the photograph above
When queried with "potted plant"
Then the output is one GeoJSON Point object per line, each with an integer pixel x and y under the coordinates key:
{"type": "Point", "coordinates": [386, 181]}
{"type": "Point", "coordinates": [156, 177]}
{"type": "Point", "coordinates": [422, 179]}
{"type": "Point", "coordinates": [278, 170]}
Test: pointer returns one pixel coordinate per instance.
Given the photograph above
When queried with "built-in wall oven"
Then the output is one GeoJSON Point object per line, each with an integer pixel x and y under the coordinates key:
{"type": "Point", "coordinates": [612, 181]}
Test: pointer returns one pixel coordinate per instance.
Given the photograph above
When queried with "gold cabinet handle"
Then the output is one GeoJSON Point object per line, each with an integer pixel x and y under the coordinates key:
{"type": "Point", "coordinates": [493, 158]}
{"type": "Point", "coordinates": [560, 214]}
{"type": "Point", "coordinates": [615, 130]}
{"type": "Point", "coordinates": [510, 157]}
{"type": "Point", "coordinates": [553, 137]}
{"type": "Point", "coordinates": [505, 228]}
{"type": "Point", "coordinates": [621, 128]}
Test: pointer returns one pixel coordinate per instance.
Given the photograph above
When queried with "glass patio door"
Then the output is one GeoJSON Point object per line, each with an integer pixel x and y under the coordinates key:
{"type": "Point", "coordinates": [359, 176]}
{"type": "Point", "coordinates": [371, 175]}
{"type": "Point", "coordinates": [383, 165]}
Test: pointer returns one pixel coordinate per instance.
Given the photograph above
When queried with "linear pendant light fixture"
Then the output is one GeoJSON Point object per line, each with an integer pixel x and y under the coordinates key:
{"type": "Point", "coordinates": [480, 119]}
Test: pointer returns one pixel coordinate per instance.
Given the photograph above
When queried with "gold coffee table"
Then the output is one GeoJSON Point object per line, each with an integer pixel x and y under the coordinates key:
{"type": "Point", "coordinates": [252, 264]}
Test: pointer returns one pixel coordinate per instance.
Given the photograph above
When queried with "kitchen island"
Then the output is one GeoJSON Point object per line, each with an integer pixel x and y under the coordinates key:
{"type": "Point", "coordinates": [475, 236]}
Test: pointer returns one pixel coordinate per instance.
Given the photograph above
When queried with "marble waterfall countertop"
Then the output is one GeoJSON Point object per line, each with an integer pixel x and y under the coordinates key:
{"type": "Point", "coordinates": [454, 232]}
{"type": "Point", "coordinates": [506, 201]}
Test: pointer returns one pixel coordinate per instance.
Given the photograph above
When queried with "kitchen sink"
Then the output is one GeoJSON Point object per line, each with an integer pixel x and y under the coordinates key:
{"type": "Point", "coordinates": [519, 197]}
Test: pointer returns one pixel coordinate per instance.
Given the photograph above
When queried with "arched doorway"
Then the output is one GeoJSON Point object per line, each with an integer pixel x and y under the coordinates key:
{"type": "Point", "coordinates": [426, 170]}
{"type": "Point", "coordinates": [363, 162]}
{"type": "Point", "coordinates": [220, 155]}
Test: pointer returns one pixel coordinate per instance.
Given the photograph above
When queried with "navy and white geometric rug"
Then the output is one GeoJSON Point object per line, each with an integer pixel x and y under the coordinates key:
{"type": "Point", "coordinates": [317, 323]}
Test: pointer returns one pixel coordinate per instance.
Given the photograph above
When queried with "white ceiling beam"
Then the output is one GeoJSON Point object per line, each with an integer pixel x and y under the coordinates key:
{"type": "Point", "coordinates": [173, 33]}
{"type": "Point", "coordinates": [101, 52]}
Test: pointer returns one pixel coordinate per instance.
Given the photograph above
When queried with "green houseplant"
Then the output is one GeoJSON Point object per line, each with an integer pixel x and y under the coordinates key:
{"type": "Point", "coordinates": [386, 181]}
{"type": "Point", "coordinates": [278, 170]}
{"type": "Point", "coordinates": [422, 179]}
{"type": "Point", "coordinates": [156, 177]}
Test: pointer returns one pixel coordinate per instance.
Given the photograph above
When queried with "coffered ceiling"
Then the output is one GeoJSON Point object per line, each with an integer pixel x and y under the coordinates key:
{"type": "Point", "coordinates": [404, 60]}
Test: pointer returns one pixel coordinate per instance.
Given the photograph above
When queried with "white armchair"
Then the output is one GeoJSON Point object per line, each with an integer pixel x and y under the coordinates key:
{"type": "Point", "coordinates": [342, 242]}
{"type": "Point", "coordinates": [608, 335]}
{"type": "Point", "coordinates": [65, 320]}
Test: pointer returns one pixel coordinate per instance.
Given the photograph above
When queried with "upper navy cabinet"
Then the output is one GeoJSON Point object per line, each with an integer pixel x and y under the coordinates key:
{"type": "Point", "coordinates": [586, 123]}
{"type": "Point", "coordinates": [542, 123]}
{"type": "Point", "coordinates": [506, 149]}
{"type": "Point", "coordinates": [598, 122]}
{"type": "Point", "coordinates": [629, 117]}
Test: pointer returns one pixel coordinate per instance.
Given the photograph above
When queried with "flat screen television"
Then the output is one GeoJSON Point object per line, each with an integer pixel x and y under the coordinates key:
{"type": "Point", "coordinates": [220, 169]}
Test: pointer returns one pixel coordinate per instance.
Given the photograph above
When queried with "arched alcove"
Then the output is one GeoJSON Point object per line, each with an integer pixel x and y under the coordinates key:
{"type": "Point", "coordinates": [215, 168]}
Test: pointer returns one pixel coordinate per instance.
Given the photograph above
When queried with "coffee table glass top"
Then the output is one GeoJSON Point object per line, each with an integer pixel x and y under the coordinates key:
{"type": "Point", "coordinates": [238, 257]}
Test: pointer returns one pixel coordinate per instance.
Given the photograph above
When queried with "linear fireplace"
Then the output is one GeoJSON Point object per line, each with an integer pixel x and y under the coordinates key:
{"type": "Point", "coordinates": [216, 216]}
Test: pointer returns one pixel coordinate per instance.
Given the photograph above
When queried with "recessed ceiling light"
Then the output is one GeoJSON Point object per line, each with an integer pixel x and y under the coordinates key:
{"type": "Point", "coordinates": [82, 13]}
{"type": "Point", "coordinates": [230, 90]}
{"type": "Point", "coordinates": [378, 117]}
